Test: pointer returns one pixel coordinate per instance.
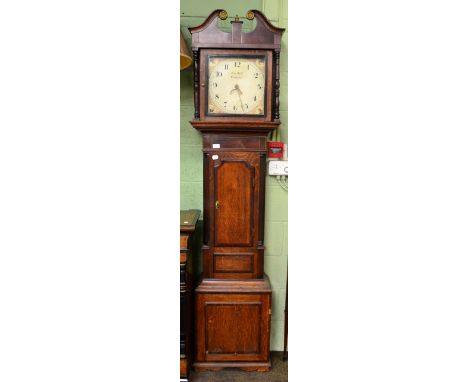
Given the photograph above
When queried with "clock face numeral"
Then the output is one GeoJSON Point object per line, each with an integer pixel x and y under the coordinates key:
{"type": "Point", "coordinates": [236, 85]}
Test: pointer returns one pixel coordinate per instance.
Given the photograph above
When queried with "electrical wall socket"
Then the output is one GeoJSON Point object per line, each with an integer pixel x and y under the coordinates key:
{"type": "Point", "coordinates": [278, 167]}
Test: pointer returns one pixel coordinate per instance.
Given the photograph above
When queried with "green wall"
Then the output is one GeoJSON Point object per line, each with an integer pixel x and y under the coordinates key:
{"type": "Point", "coordinates": [193, 13]}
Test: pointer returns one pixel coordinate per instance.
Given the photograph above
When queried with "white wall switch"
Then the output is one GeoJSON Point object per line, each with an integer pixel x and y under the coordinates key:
{"type": "Point", "coordinates": [278, 167]}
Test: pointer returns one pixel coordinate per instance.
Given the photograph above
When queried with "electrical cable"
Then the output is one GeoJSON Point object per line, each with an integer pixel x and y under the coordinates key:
{"type": "Point", "coordinates": [282, 182]}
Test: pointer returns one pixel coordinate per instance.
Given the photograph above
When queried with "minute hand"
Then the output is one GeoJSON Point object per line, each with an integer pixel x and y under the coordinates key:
{"type": "Point", "coordinates": [239, 93]}
{"type": "Point", "coordinates": [241, 103]}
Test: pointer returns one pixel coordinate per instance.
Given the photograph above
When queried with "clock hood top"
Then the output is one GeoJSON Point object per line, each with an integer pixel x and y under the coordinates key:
{"type": "Point", "coordinates": [208, 35]}
{"type": "Point", "coordinates": [236, 74]}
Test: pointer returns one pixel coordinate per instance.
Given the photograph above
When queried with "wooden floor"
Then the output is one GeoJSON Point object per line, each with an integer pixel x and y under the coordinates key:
{"type": "Point", "coordinates": [278, 373]}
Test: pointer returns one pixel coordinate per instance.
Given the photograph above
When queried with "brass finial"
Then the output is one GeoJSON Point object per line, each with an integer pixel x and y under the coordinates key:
{"type": "Point", "coordinates": [236, 19]}
{"type": "Point", "coordinates": [223, 15]}
{"type": "Point", "coordinates": [250, 15]}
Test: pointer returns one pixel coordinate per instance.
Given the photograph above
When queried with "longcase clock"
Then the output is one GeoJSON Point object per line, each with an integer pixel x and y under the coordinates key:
{"type": "Point", "coordinates": [236, 97]}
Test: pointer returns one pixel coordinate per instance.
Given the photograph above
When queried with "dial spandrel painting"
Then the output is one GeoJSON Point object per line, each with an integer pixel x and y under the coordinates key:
{"type": "Point", "coordinates": [236, 85]}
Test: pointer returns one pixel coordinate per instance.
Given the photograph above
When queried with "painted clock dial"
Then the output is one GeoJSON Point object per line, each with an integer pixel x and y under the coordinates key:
{"type": "Point", "coordinates": [236, 85]}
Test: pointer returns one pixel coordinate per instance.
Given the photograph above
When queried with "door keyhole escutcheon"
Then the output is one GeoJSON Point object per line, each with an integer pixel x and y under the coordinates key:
{"type": "Point", "coordinates": [217, 204]}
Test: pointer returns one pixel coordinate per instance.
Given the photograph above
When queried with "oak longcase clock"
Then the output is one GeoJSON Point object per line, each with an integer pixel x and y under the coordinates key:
{"type": "Point", "coordinates": [236, 99]}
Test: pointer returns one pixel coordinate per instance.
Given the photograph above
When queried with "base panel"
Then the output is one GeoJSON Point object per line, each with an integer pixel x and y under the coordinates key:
{"type": "Point", "coordinates": [232, 324]}
{"type": "Point", "coordinates": [245, 366]}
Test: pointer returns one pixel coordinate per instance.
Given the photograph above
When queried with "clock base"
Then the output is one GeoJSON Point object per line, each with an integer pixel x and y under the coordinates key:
{"type": "Point", "coordinates": [245, 366]}
{"type": "Point", "coordinates": [232, 324]}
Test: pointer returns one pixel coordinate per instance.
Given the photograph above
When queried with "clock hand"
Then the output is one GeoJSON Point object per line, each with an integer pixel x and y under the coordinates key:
{"type": "Point", "coordinates": [239, 92]}
{"type": "Point", "coordinates": [236, 89]}
{"type": "Point", "coordinates": [240, 99]}
{"type": "Point", "coordinates": [242, 104]}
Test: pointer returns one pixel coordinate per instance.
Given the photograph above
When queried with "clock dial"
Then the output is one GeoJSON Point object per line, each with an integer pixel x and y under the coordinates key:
{"type": "Point", "coordinates": [236, 85]}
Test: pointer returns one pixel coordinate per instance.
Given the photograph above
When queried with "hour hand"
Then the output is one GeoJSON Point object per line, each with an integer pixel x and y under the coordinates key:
{"type": "Point", "coordinates": [236, 89]}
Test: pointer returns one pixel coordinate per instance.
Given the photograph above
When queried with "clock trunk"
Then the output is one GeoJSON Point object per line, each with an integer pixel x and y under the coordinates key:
{"type": "Point", "coordinates": [234, 205]}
